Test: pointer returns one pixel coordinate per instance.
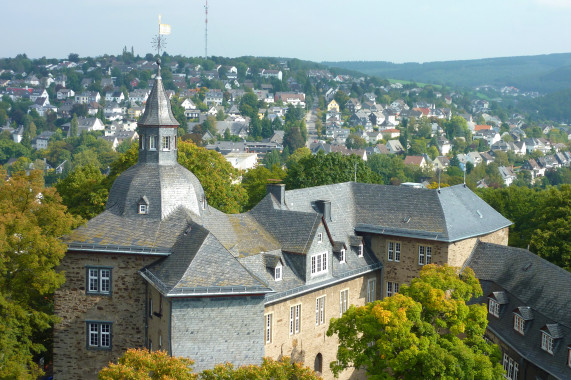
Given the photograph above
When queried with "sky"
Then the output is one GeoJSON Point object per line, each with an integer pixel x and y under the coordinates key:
{"type": "Point", "coordinates": [316, 30]}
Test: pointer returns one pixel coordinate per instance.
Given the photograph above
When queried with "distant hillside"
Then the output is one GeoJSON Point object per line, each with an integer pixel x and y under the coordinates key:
{"type": "Point", "coordinates": [543, 73]}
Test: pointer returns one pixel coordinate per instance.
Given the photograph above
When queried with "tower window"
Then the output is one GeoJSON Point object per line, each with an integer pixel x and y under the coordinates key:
{"type": "Point", "coordinates": [166, 143]}
{"type": "Point", "coordinates": [153, 142]}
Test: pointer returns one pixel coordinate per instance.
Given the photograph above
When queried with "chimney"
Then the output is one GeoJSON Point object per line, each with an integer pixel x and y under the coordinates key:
{"type": "Point", "coordinates": [324, 208]}
{"type": "Point", "coordinates": [278, 191]}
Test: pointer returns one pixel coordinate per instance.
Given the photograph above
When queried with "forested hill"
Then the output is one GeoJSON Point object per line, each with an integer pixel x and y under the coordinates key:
{"type": "Point", "coordinates": [543, 73]}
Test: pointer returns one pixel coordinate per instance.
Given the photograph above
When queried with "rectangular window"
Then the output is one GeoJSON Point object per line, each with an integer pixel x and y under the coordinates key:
{"type": "Point", "coordinates": [150, 307]}
{"type": "Point", "coordinates": [519, 323]}
{"type": "Point", "coordinates": [99, 335]}
{"type": "Point", "coordinates": [342, 258]}
{"type": "Point", "coordinates": [153, 142]}
{"type": "Point", "coordinates": [343, 301]}
{"type": "Point", "coordinates": [424, 254]}
{"type": "Point", "coordinates": [143, 209]}
{"type": "Point", "coordinates": [360, 250]}
{"type": "Point", "coordinates": [269, 328]}
{"type": "Point", "coordinates": [389, 289]}
{"type": "Point", "coordinates": [546, 342]}
{"type": "Point", "coordinates": [166, 143]}
{"type": "Point", "coordinates": [494, 308]}
{"type": "Point", "coordinates": [320, 310]}
{"type": "Point", "coordinates": [320, 237]}
{"type": "Point", "coordinates": [319, 263]}
{"type": "Point", "coordinates": [393, 251]}
{"type": "Point", "coordinates": [371, 289]}
{"type": "Point", "coordinates": [511, 367]}
{"type": "Point", "coordinates": [99, 281]}
{"type": "Point", "coordinates": [294, 319]}
{"type": "Point", "coordinates": [278, 273]}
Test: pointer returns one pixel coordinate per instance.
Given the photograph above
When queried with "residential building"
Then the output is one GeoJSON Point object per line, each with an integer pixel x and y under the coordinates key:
{"type": "Point", "coordinates": [529, 320]}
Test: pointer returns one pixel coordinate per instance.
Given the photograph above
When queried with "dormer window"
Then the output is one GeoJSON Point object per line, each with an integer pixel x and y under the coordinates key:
{"type": "Point", "coordinates": [342, 256]}
{"type": "Point", "coordinates": [278, 272]}
{"type": "Point", "coordinates": [546, 342]}
{"type": "Point", "coordinates": [519, 323]}
{"type": "Point", "coordinates": [494, 308]}
{"type": "Point", "coordinates": [320, 237]}
{"type": "Point", "coordinates": [143, 205]}
{"type": "Point", "coordinates": [360, 250]}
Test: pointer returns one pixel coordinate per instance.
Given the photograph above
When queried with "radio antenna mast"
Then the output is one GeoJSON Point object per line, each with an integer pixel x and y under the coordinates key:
{"type": "Point", "coordinates": [206, 30]}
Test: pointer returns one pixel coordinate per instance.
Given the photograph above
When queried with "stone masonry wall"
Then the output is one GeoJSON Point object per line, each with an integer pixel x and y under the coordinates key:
{"type": "Point", "coordinates": [213, 330]}
{"type": "Point", "coordinates": [312, 339]}
{"type": "Point", "coordinates": [458, 252]}
{"type": "Point", "coordinates": [158, 320]}
{"type": "Point", "coordinates": [125, 308]}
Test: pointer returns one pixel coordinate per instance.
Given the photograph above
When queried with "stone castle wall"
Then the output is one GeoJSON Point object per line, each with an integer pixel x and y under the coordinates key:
{"type": "Point", "coordinates": [124, 307]}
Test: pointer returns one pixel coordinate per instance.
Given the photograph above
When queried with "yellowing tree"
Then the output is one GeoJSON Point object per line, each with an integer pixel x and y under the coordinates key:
{"type": "Point", "coordinates": [32, 220]}
{"type": "Point", "coordinates": [424, 332]}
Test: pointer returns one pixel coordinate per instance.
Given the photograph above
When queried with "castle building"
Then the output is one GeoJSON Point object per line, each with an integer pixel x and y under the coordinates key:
{"type": "Point", "coordinates": [161, 269]}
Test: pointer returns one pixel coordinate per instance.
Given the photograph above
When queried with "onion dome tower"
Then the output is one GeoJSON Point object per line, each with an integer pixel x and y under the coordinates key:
{"type": "Point", "coordinates": [157, 185]}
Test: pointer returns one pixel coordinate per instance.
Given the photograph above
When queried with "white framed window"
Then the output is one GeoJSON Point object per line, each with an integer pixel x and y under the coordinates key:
{"type": "Point", "coordinates": [278, 272]}
{"type": "Point", "coordinates": [319, 263]}
{"type": "Point", "coordinates": [294, 319]}
{"type": "Point", "coordinates": [320, 311]}
{"type": "Point", "coordinates": [393, 251]}
{"type": "Point", "coordinates": [99, 335]}
{"type": "Point", "coordinates": [424, 254]}
{"type": "Point", "coordinates": [343, 256]}
{"type": "Point", "coordinates": [519, 323]}
{"type": "Point", "coordinates": [98, 280]}
{"type": "Point", "coordinates": [360, 250]}
{"type": "Point", "coordinates": [511, 367]}
{"type": "Point", "coordinates": [343, 301]}
{"type": "Point", "coordinates": [320, 237]}
{"type": "Point", "coordinates": [268, 332]}
{"type": "Point", "coordinates": [153, 142]}
{"type": "Point", "coordinates": [143, 209]}
{"type": "Point", "coordinates": [371, 289]}
{"type": "Point", "coordinates": [166, 143]}
{"type": "Point", "coordinates": [494, 308]}
{"type": "Point", "coordinates": [151, 307]}
{"type": "Point", "coordinates": [546, 342]}
{"type": "Point", "coordinates": [392, 288]}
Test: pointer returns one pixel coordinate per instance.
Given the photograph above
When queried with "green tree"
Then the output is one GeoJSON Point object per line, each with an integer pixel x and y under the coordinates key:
{"type": "Point", "coordinates": [256, 180]}
{"type": "Point", "coordinates": [32, 221]}
{"type": "Point", "coordinates": [142, 364]}
{"type": "Point", "coordinates": [552, 236]}
{"type": "Point", "coordinates": [324, 169]}
{"type": "Point", "coordinates": [217, 176]}
{"type": "Point", "coordinates": [293, 139]}
{"type": "Point", "coordinates": [249, 105]}
{"type": "Point", "coordinates": [426, 331]}
{"type": "Point", "coordinates": [84, 191]}
{"type": "Point", "coordinates": [73, 126]}
{"type": "Point", "coordinates": [282, 369]}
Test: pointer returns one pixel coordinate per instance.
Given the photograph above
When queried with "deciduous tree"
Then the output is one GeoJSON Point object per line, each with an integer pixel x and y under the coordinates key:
{"type": "Point", "coordinates": [32, 221]}
{"type": "Point", "coordinates": [424, 332]}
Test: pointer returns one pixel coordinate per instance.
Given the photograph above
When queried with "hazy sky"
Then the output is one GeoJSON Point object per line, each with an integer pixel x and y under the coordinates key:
{"type": "Point", "coordinates": [379, 30]}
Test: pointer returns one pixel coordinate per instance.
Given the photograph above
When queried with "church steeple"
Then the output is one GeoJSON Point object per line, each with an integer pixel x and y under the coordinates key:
{"type": "Point", "coordinates": [158, 127]}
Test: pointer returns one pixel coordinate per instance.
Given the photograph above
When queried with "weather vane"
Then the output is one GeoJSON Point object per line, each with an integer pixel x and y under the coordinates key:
{"type": "Point", "coordinates": [159, 41]}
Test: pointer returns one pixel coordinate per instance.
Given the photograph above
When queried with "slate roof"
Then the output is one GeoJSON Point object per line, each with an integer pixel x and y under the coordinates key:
{"type": "Point", "coordinates": [200, 265]}
{"type": "Point", "coordinates": [166, 187]}
{"type": "Point", "coordinates": [528, 281]}
{"type": "Point", "coordinates": [158, 109]}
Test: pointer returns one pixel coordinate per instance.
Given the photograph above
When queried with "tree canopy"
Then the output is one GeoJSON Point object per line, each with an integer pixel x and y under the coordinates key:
{"type": "Point", "coordinates": [141, 364]}
{"type": "Point", "coordinates": [427, 331]}
{"type": "Point", "coordinates": [32, 221]}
